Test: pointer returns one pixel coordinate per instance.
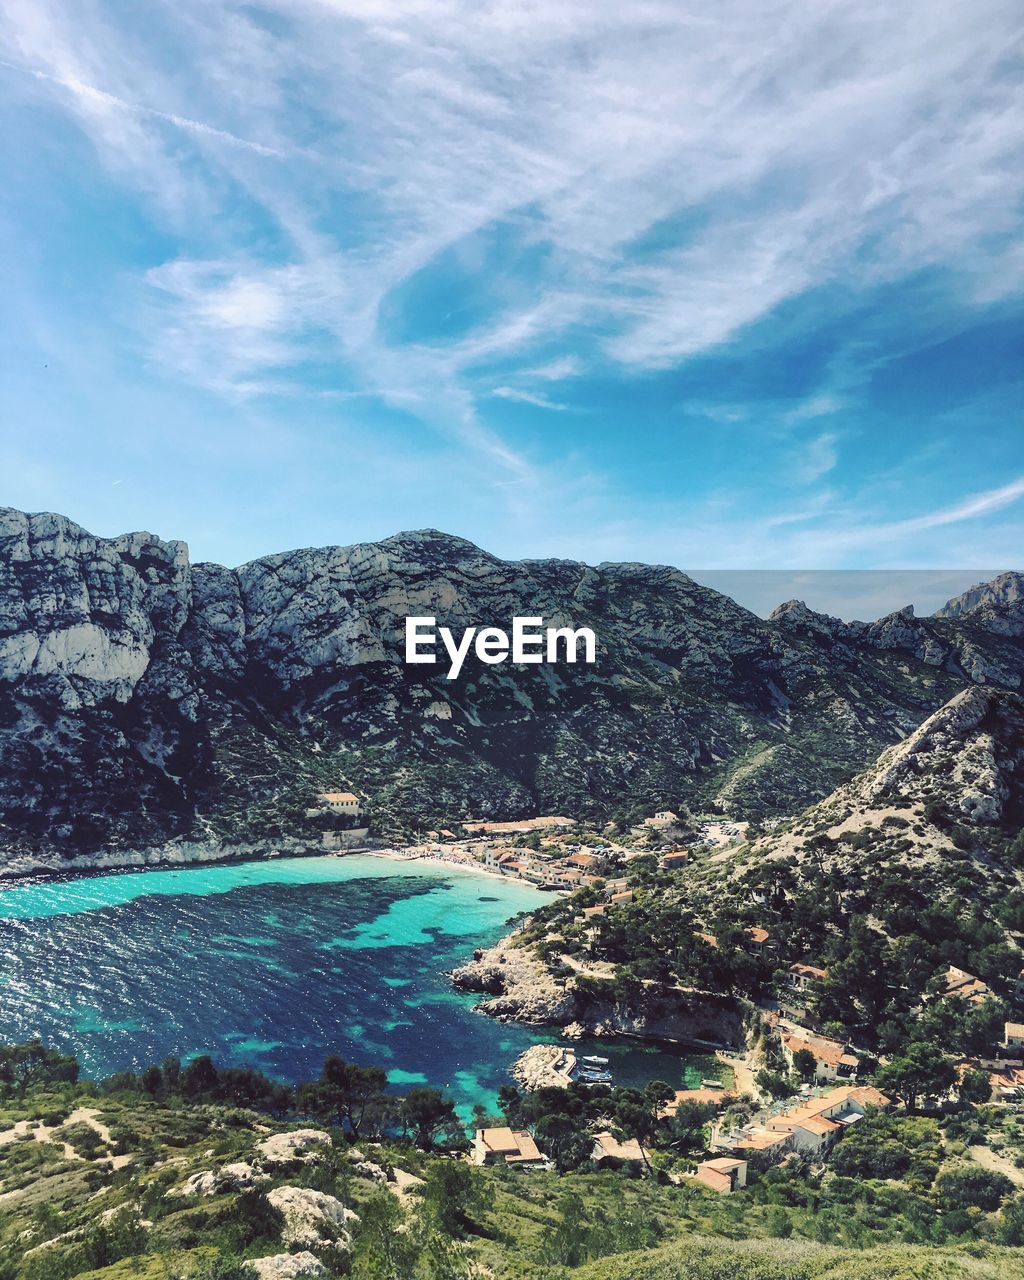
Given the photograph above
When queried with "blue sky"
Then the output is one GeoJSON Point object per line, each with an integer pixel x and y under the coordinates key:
{"type": "Point", "coordinates": [732, 286]}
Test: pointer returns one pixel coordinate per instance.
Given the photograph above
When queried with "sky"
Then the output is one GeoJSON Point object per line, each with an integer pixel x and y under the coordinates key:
{"type": "Point", "coordinates": [738, 286]}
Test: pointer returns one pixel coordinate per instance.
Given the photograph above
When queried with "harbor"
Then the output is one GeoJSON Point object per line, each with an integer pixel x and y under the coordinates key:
{"type": "Point", "coordinates": [621, 1062]}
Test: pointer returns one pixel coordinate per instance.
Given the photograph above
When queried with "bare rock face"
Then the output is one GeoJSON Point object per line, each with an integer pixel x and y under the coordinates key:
{"type": "Point", "coordinates": [312, 1218]}
{"type": "Point", "coordinates": [288, 1266]}
{"type": "Point", "coordinates": [142, 696]}
{"type": "Point", "coordinates": [1005, 590]}
{"type": "Point", "coordinates": [520, 986]}
{"type": "Point", "coordinates": [952, 791]}
{"type": "Point", "coordinates": [973, 747]}
{"type": "Point", "coordinates": [305, 1145]}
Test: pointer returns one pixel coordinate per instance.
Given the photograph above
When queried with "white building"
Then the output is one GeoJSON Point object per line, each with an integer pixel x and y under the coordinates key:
{"type": "Point", "coordinates": [345, 802]}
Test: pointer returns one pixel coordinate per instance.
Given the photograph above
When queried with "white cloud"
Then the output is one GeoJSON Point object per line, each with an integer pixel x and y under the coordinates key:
{"type": "Point", "coordinates": [816, 458]}
{"type": "Point", "coordinates": [556, 370]}
{"type": "Point", "coordinates": [537, 399]}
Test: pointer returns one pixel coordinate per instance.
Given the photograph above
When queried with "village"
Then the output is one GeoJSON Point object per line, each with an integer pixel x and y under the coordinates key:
{"type": "Point", "coordinates": [750, 1129]}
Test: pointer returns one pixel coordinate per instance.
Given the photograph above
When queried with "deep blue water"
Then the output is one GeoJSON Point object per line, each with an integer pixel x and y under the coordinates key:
{"type": "Point", "coordinates": [272, 964]}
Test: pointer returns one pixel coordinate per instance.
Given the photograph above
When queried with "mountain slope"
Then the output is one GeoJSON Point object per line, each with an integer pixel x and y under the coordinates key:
{"type": "Point", "coordinates": [145, 699]}
{"type": "Point", "coordinates": [914, 865]}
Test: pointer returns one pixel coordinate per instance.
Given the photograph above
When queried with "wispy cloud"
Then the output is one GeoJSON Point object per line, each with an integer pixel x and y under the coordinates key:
{"type": "Point", "coordinates": [817, 458]}
{"type": "Point", "coordinates": [92, 96]}
{"type": "Point", "coordinates": [536, 398]}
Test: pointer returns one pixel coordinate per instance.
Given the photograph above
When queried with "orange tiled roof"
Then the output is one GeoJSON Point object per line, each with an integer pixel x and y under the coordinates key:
{"type": "Point", "coordinates": [514, 1144]}
{"type": "Point", "coordinates": [831, 1052]}
{"type": "Point", "coordinates": [762, 1141]}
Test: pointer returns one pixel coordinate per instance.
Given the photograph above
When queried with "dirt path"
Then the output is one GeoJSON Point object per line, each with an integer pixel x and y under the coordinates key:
{"type": "Point", "coordinates": [996, 1163]}
{"type": "Point", "coordinates": [44, 1133]}
{"type": "Point", "coordinates": [403, 1183]}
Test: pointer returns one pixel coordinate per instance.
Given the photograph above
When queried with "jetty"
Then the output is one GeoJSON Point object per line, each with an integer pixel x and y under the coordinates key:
{"type": "Point", "coordinates": [545, 1065]}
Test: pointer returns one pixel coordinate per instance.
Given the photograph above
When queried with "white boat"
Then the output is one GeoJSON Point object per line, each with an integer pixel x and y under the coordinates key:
{"type": "Point", "coordinates": [591, 1057]}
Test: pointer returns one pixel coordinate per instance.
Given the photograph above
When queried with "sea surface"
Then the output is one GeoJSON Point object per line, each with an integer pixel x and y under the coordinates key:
{"type": "Point", "coordinates": [274, 964]}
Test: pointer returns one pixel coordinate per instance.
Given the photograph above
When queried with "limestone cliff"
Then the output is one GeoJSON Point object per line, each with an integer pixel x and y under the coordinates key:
{"type": "Point", "coordinates": [149, 703]}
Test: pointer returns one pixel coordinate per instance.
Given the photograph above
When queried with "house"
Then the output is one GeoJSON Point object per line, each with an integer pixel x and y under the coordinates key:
{"type": "Point", "coordinates": [964, 986]}
{"type": "Point", "coordinates": [757, 939]}
{"type": "Point", "coordinates": [1013, 1035]}
{"type": "Point", "coordinates": [722, 1174]}
{"type": "Point", "coordinates": [720, 1097]}
{"type": "Point", "coordinates": [511, 1146]}
{"type": "Point", "coordinates": [773, 1145]}
{"type": "Point", "coordinates": [831, 1059]}
{"type": "Point", "coordinates": [663, 818]}
{"type": "Point", "coordinates": [608, 1147]}
{"type": "Point", "coordinates": [1007, 1083]}
{"type": "Point", "coordinates": [521, 825]}
{"type": "Point", "coordinates": [803, 977]}
{"type": "Point", "coordinates": [340, 802]}
{"type": "Point", "coordinates": [670, 861]}
{"type": "Point", "coordinates": [513, 867]}
{"type": "Point", "coordinates": [581, 860]}
{"type": "Point", "coordinates": [817, 1125]}
{"type": "Point", "coordinates": [622, 898]}
{"type": "Point", "coordinates": [812, 1127]}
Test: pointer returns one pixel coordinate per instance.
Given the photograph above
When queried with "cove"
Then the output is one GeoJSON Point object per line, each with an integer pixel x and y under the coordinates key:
{"type": "Point", "coordinates": [274, 964]}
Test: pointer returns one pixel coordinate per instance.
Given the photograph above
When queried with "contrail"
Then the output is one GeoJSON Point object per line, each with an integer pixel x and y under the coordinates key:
{"type": "Point", "coordinates": [82, 90]}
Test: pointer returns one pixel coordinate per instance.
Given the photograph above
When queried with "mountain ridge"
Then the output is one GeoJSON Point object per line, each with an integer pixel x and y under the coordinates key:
{"type": "Point", "coordinates": [148, 699]}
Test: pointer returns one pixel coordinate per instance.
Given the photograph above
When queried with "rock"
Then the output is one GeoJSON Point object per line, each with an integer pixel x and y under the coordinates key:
{"type": "Point", "coordinates": [312, 1218]}
{"type": "Point", "coordinates": [305, 1145]}
{"type": "Point", "coordinates": [239, 1175]}
{"type": "Point", "coordinates": [199, 1184]}
{"type": "Point", "coordinates": [230, 1177]}
{"type": "Point", "coordinates": [367, 1169]}
{"type": "Point", "coordinates": [521, 986]}
{"type": "Point", "coordinates": [288, 1266]}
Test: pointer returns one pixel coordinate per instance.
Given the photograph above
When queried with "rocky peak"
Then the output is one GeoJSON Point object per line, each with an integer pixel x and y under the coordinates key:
{"type": "Point", "coordinates": [1006, 589]}
{"type": "Point", "coordinates": [796, 615]}
{"type": "Point", "coordinates": [969, 754]}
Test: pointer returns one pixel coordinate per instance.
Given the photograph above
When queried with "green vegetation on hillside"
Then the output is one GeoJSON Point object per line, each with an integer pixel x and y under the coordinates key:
{"type": "Point", "coordinates": [169, 1174]}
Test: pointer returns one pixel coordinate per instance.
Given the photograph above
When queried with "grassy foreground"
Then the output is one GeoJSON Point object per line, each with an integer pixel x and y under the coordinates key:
{"type": "Point", "coordinates": [100, 1183]}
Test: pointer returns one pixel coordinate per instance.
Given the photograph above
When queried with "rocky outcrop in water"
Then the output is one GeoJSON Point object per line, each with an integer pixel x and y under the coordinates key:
{"type": "Point", "coordinates": [518, 985]}
{"type": "Point", "coordinates": [148, 703]}
{"type": "Point", "coordinates": [521, 988]}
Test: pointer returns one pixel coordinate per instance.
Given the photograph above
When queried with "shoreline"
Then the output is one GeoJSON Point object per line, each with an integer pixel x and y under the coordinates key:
{"type": "Point", "coordinates": [477, 868]}
{"type": "Point", "coordinates": [137, 862]}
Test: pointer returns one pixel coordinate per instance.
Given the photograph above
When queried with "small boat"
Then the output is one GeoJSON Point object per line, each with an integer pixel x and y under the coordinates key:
{"type": "Point", "coordinates": [596, 1077]}
{"type": "Point", "coordinates": [591, 1057]}
{"type": "Point", "coordinates": [712, 1084]}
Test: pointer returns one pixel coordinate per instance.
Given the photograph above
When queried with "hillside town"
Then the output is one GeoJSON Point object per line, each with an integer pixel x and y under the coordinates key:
{"type": "Point", "coordinates": [791, 1093]}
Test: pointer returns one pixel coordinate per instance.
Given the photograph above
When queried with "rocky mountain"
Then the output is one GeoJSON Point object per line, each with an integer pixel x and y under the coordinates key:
{"type": "Point", "coordinates": [147, 700]}
{"type": "Point", "coordinates": [1006, 589]}
{"type": "Point", "coordinates": [950, 793]}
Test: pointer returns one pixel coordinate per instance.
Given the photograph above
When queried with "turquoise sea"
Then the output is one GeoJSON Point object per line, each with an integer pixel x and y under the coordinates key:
{"type": "Point", "coordinates": [274, 964]}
